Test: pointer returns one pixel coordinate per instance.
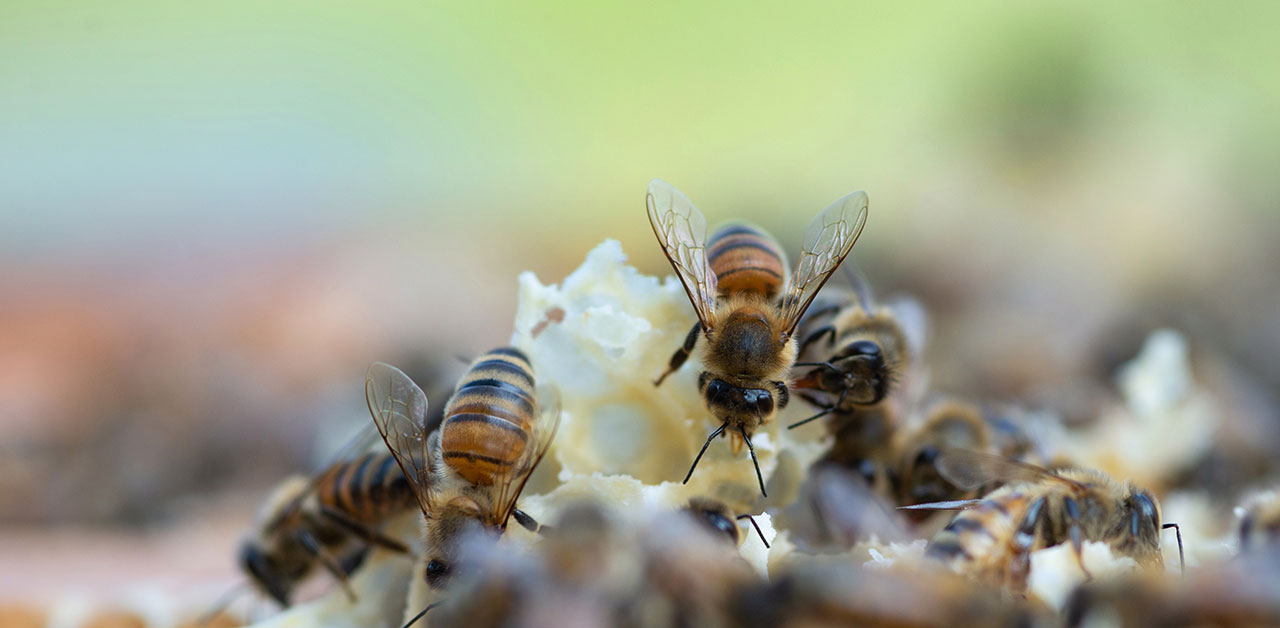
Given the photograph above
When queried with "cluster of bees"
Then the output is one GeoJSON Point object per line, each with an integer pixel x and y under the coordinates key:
{"type": "Point", "coordinates": [762, 347]}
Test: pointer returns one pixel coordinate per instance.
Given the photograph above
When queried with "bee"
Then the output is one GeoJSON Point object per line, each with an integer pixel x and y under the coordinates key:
{"type": "Point", "coordinates": [1233, 593]}
{"type": "Point", "coordinates": [324, 520]}
{"type": "Point", "coordinates": [994, 536]}
{"type": "Point", "coordinates": [467, 475]}
{"type": "Point", "coordinates": [860, 350]}
{"type": "Point", "coordinates": [1260, 523]}
{"type": "Point", "coordinates": [949, 425]}
{"type": "Point", "coordinates": [745, 313]}
{"type": "Point", "coordinates": [719, 519]}
{"type": "Point", "coordinates": [836, 593]}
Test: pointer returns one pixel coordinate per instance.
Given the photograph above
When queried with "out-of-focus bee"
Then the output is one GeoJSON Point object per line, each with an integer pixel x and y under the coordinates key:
{"type": "Point", "coordinates": [325, 520]}
{"type": "Point", "coordinates": [1037, 508]}
{"type": "Point", "coordinates": [467, 475]}
{"type": "Point", "coordinates": [836, 509]}
{"type": "Point", "coordinates": [1233, 593]}
{"type": "Point", "coordinates": [745, 312]}
{"type": "Point", "coordinates": [860, 351]}
{"type": "Point", "coordinates": [948, 425]}
{"type": "Point", "coordinates": [839, 594]}
{"type": "Point", "coordinates": [1260, 523]}
{"type": "Point", "coordinates": [719, 519]}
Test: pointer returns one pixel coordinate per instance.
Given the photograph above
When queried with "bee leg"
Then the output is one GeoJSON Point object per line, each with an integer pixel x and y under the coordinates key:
{"type": "Point", "coordinates": [1077, 543]}
{"type": "Point", "coordinates": [751, 449]}
{"type": "Point", "coordinates": [825, 411]}
{"type": "Point", "coordinates": [330, 564]}
{"type": "Point", "coordinates": [529, 523]}
{"type": "Point", "coordinates": [816, 335]}
{"type": "Point", "coordinates": [681, 354]}
{"type": "Point", "coordinates": [1023, 540]}
{"type": "Point", "coordinates": [717, 432]}
{"type": "Point", "coordinates": [371, 536]}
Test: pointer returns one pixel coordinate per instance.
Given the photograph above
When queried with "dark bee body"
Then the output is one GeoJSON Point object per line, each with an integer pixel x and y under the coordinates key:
{"type": "Point", "coordinates": [325, 521]}
{"type": "Point", "coordinates": [748, 303]}
{"type": "Point", "coordinates": [1039, 509]}
{"type": "Point", "coordinates": [369, 489]}
{"type": "Point", "coordinates": [486, 424]}
{"type": "Point", "coordinates": [1260, 524]}
{"type": "Point", "coordinates": [746, 259]}
{"type": "Point", "coordinates": [860, 353]}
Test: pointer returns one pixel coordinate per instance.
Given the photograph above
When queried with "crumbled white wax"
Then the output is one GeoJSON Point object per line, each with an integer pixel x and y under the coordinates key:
{"type": "Point", "coordinates": [1167, 422]}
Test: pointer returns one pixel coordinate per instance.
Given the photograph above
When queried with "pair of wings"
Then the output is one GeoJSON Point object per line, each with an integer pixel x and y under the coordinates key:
{"type": "Point", "coordinates": [399, 410]}
{"type": "Point", "coordinates": [682, 231]}
{"type": "Point", "coordinates": [969, 470]}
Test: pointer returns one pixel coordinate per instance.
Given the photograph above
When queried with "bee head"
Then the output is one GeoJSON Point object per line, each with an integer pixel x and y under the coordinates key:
{"type": "Point", "coordinates": [863, 371]}
{"type": "Point", "coordinates": [713, 516]}
{"type": "Point", "coordinates": [727, 400]}
{"type": "Point", "coordinates": [265, 572]}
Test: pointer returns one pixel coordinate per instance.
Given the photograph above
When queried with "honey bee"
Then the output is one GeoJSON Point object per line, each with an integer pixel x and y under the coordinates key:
{"type": "Point", "coordinates": [948, 425]}
{"type": "Point", "coordinates": [994, 536]}
{"type": "Point", "coordinates": [746, 314]}
{"type": "Point", "coordinates": [467, 475]}
{"type": "Point", "coordinates": [1260, 523]}
{"type": "Point", "coordinates": [860, 350]}
{"type": "Point", "coordinates": [806, 594]}
{"type": "Point", "coordinates": [323, 520]}
{"type": "Point", "coordinates": [719, 519]}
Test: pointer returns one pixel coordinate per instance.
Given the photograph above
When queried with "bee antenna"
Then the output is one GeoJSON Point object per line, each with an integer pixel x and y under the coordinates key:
{"type": "Point", "coordinates": [421, 613]}
{"type": "Point", "coordinates": [1182, 560]}
{"type": "Point", "coordinates": [755, 462]}
{"type": "Point", "coordinates": [718, 431]}
{"type": "Point", "coordinates": [754, 525]}
{"type": "Point", "coordinates": [223, 602]}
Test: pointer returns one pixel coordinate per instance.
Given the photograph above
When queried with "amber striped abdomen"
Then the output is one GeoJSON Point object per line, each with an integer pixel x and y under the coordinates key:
{"type": "Point", "coordinates": [746, 259]}
{"type": "Point", "coordinates": [368, 489]}
{"type": "Point", "coordinates": [486, 424]}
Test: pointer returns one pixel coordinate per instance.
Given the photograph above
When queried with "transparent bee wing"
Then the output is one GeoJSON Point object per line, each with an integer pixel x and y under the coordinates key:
{"type": "Point", "coordinates": [507, 486]}
{"type": "Point", "coordinates": [682, 231]}
{"type": "Point", "coordinates": [399, 410]}
{"type": "Point", "coordinates": [913, 321]}
{"type": "Point", "coordinates": [970, 469]}
{"type": "Point", "coordinates": [827, 241]}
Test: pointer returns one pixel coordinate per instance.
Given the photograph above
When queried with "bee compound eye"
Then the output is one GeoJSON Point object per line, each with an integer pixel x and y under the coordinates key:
{"type": "Point", "coordinates": [927, 456]}
{"type": "Point", "coordinates": [722, 524]}
{"type": "Point", "coordinates": [436, 570]}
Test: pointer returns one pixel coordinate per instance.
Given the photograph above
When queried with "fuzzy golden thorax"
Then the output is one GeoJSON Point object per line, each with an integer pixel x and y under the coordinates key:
{"type": "Point", "coordinates": [746, 362]}
{"type": "Point", "coordinates": [1121, 515]}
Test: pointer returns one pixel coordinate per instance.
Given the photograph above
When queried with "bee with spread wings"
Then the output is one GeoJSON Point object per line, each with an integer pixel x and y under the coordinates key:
{"type": "Point", "coordinates": [468, 474]}
{"type": "Point", "coordinates": [746, 314]}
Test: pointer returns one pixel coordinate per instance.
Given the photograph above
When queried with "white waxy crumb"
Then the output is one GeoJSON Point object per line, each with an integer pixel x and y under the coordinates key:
{"type": "Point", "coordinates": [1159, 377]}
{"type": "Point", "coordinates": [752, 549]}
{"type": "Point", "coordinates": [1055, 572]}
{"type": "Point", "coordinates": [1163, 404]}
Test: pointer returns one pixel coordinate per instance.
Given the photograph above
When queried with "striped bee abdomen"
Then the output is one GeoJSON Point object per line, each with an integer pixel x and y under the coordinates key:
{"type": "Point", "coordinates": [368, 489]}
{"type": "Point", "coordinates": [746, 259]}
{"type": "Point", "coordinates": [486, 424]}
{"type": "Point", "coordinates": [980, 532]}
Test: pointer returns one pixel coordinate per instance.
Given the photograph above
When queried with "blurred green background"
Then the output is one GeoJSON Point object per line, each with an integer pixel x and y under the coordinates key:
{"type": "Point", "coordinates": [213, 216]}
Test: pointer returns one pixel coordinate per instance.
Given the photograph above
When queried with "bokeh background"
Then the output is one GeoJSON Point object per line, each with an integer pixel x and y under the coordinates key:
{"type": "Point", "coordinates": [214, 216]}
